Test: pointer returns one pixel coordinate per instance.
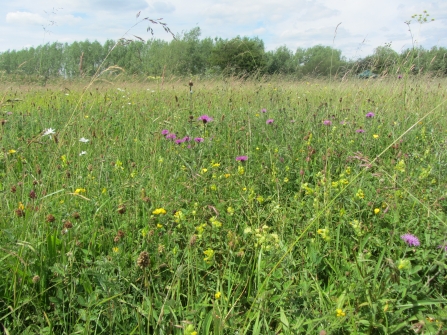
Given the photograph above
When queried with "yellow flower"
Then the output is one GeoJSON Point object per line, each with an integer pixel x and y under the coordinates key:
{"type": "Point", "coordinates": [104, 190]}
{"type": "Point", "coordinates": [79, 190]}
{"type": "Point", "coordinates": [230, 210]}
{"type": "Point", "coordinates": [340, 312]}
{"type": "Point", "coordinates": [376, 136]}
{"type": "Point", "coordinates": [159, 211]}
{"type": "Point", "coordinates": [11, 151]}
{"type": "Point", "coordinates": [376, 211]}
{"type": "Point", "coordinates": [115, 249]}
{"type": "Point", "coordinates": [360, 194]}
{"type": "Point", "coordinates": [159, 225]}
{"type": "Point", "coordinates": [241, 170]}
{"type": "Point", "coordinates": [209, 253]}
{"type": "Point", "coordinates": [21, 206]}
{"type": "Point", "coordinates": [216, 165]}
{"type": "Point", "coordinates": [217, 295]}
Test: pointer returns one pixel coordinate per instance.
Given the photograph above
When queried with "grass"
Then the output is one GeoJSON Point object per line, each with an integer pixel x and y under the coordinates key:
{"type": "Point", "coordinates": [128, 232]}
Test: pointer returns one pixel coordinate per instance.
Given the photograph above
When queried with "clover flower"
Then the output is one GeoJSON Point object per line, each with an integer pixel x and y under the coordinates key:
{"type": "Point", "coordinates": [411, 240]}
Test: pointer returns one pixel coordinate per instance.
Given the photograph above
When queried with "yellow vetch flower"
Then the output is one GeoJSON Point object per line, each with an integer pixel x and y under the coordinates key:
{"type": "Point", "coordinates": [376, 211]}
{"type": "Point", "coordinates": [11, 151]}
{"type": "Point", "coordinates": [159, 211]}
{"type": "Point", "coordinates": [79, 190]}
{"type": "Point", "coordinates": [216, 165]}
{"type": "Point", "coordinates": [115, 249]}
{"type": "Point", "coordinates": [21, 206]}
{"type": "Point", "coordinates": [227, 175]}
{"type": "Point", "coordinates": [376, 136]}
{"type": "Point", "coordinates": [159, 225]}
{"type": "Point", "coordinates": [217, 295]}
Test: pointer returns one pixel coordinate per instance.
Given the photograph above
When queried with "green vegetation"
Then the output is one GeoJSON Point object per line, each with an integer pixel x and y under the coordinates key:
{"type": "Point", "coordinates": [284, 209]}
{"type": "Point", "coordinates": [189, 55]}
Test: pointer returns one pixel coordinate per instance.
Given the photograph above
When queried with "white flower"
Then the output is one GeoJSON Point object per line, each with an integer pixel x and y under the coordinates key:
{"type": "Point", "coordinates": [83, 140]}
{"type": "Point", "coordinates": [82, 153]}
{"type": "Point", "coordinates": [49, 131]}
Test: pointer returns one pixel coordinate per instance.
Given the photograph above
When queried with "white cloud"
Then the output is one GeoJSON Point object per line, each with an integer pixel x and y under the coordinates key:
{"type": "Point", "coordinates": [25, 18]}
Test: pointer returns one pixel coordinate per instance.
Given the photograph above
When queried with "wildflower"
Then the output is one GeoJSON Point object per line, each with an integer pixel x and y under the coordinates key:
{"type": "Point", "coordinates": [324, 234]}
{"type": "Point", "coordinates": [84, 140]}
{"type": "Point", "coordinates": [179, 141]}
{"type": "Point", "coordinates": [165, 132]}
{"type": "Point", "coordinates": [399, 76]}
{"type": "Point", "coordinates": [227, 175]}
{"type": "Point", "coordinates": [170, 136]}
{"type": "Point", "coordinates": [242, 158]}
{"type": "Point", "coordinates": [216, 223]}
{"type": "Point", "coordinates": [443, 247]}
{"type": "Point", "coordinates": [115, 249]}
{"type": "Point", "coordinates": [370, 115]}
{"type": "Point", "coordinates": [269, 121]}
{"type": "Point", "coordinates": [49, 131]}
{"type": "Point", "coordinates": [79, 190]}
{"type": "Point", "coordinates": [376, 211]}
{"type": "Point", "coordinates": [159, 211]}
{"type": "Point", "coordinates": [143, 260]}
{"type": "Point", "coordinates": [11, 151]}
{"type": "Point", "coordinates": [217, 295]}
{"type": "Point", "coordinates": [205, 118]}
{"type": "Point", "coordinates": [240, 170]}
{"type": "Point", "coordinates": [264, 110]}
{"type": "Point", "coordinates": [400, 166]}
{"type": "Point", "coordinates": [376, 136]}
{"type": "Point", "coordinates": [411, 240]}
{"type": "Point", "coordinates": [204, 170]}
{"type": "Point", "coordinates": [209, 253]}
{"type": "Point", "coordinates": [82, 153]}
{"type": "Point", "coordinates": [327, 122]}
{"type": "Point", "coordinates": [216, 165]}
{"type": "Point", "coordinates": [360, 194]}
{"type": "Point", "coordinates": [159, 225]}
{"type": "Point", "coordinates": [360, 131]}
{"type": "Point", "coordinates": [198, 139]}
{"type": "Point", "coordinates": [403, 264]}
{"type": "Point", "coordinates": [340, 312]}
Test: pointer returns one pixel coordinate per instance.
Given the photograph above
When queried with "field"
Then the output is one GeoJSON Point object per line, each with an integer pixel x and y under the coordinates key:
{"type": "Point", "coordinates": [226, 207]}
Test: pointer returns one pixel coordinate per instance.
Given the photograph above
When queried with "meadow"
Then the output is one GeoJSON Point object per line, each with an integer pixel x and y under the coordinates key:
{"type": "Point", "coordinates": [228, 207]}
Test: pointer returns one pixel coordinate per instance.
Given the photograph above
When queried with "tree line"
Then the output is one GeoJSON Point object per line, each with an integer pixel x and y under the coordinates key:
{"type": "Point", "coordinates": [188, 55]}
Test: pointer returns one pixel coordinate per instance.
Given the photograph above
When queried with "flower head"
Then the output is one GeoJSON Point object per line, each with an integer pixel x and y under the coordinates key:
{"type": "Point", "coordinates": [159, 211]}
{"type": "Point", "coordinates": [340, 312]}
{"type": "Point", "coordinates": [242, 158]}
{"type": "Point", "coordinates": [264, 110]}
{"type": "Point", "coordinates": [370, 115]}
{"type": "Point", "coordinates": [83, 140]}
{"type": "Point", "coordinates": [411, 240]}
{"type": "Point", "coordinates": [269, 121]}
{"type": "Point", "coordinates": [171, 136]}
{"type": "Point", "coordinates": [205, 118]}
{"type": "Point", "coordinates": [165, 132]}
{"type": "Point", "coordinates": [198, 139]}
{"type": "Point", "coordinates": [49, 131]}
{"type": "Point", "coordinates": [327, 122]}
{"type": "Point", "coordinates": [360, 131]}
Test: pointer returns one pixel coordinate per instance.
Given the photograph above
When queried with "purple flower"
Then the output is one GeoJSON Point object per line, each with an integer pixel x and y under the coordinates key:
{"type": "Point", "coordinates": [205, 118]}
{"type": "Point", "coordinates": [399, 76]}
{"type": "Point", "coordinates": [343, 122]}
{"type": "Point", "coordinates": [411, 240]}
{"type": "Point", "coordinates": [360, 131]}
{"type": "Point", "coordinates": [443, 247]}
{"type": "Point", "coordinates": [165, 132]}
{"type": "Point", "coordinates": [269, 121]}
{"type": "Point", "coordinates": [171, 136]}
{"type": "Point", "coordinates": [264, 110]}
{"type": "Point", "coordinates": [370, 115]}
{"type": "Point", "coordinates": [327, 122]}
{"type": "Point", "coordinates": [242, 158]}
{"type": "Point", "coordinates": [198, 139]}
{"type": "Point", "coordinates": [179, 141]}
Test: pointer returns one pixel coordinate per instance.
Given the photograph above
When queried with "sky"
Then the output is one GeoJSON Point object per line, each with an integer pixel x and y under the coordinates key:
{"type": "Point", "coordinates": [356, 27]}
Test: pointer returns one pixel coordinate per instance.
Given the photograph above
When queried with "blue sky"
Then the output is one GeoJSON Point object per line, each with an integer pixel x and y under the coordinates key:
{"type": "Point", "coordinates": [364, 26]}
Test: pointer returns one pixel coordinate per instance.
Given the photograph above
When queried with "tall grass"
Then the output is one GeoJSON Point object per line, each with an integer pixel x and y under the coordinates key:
{"type": "Point", "coordinates": [133, 233]}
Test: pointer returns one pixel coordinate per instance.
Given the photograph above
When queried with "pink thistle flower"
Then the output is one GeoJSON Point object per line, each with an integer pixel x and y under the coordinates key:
{"type": "Point", "coordinates": [264, 110]}
{"type": "Point", "coordinates": [327, 122]}
{"type": "Point", "coordinates": [165, 132]}
{"type": "Point", "coordinates": [360, 131]}
{"type": "Point", "coordinates": [242, 158]}
{"type": "Point", "coordinates": [171, 136]}
{"type": "Point", "coordinates": [370, 115]}
{"type": "Point", "coordinates": [269, 121]}
{"type": "Point", "coordinates": [198, 139]}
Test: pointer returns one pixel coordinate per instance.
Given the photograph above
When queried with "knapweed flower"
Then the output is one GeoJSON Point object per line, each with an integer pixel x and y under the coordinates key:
{"type": "Point", "coordinates": [411, 240]}
{"type": "Point", "coordinates": [264, 110]}
{"type": "Point", "coordinates": [205, 118]}
{"type": "Point", "coordinates": [199, 139]}
{"type": "Point", "coordinates": [179, 141]}
{"type": "Point", "coordinates": [360, 131]}
{"type": "Point", "coordinates": [242, 158]}
{"type": "Point", "coordinates": [171, 136]}
{"type": "Point", "coordinates": [269, 121]}
{"type": "Point", "coordinates": [83, 140]}
{"type": "Point", "coordinates": [370, 115]}
{"type": "Point", "coordinates": [49, 131]}
{"type": "Point", "coordinates": [399, 76]}
{"type": "Point", "coordinates": [165, 132]}
{"type": "Point", "coordinates": [159, 211]}
{"type": "Point", "coordinates": [327, 122]}
{"type": "Point", "coordinates": [340, 312]}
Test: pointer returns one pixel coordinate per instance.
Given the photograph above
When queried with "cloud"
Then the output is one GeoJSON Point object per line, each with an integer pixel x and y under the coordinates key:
{"type": "Point", "coordinates": [118, 5]}
{"type": "Point", "coordinates": [25, 18]}
{"type": "Point", "coordinates": [162, 7]}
